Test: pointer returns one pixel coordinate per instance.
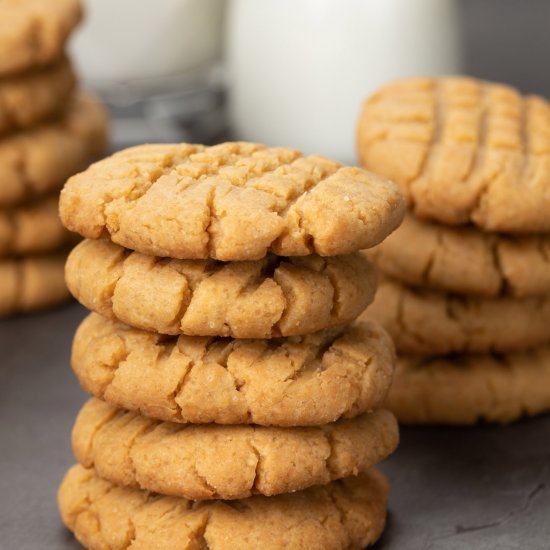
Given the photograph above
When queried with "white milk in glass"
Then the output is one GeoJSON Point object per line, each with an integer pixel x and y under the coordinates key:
{"type": "Point", "coordinates": [298, 70]}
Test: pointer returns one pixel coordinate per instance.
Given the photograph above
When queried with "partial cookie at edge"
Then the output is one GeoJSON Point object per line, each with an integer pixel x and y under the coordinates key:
{"type": "Point", "coordinates": [37, 161]}
{"type": "Point", "coordinates": [432, 322]}
{"type": "Point", "coordinates": [30, 283]}
{"type": "Point", "coordinates": [32, 228]}
{"type": "Point", "coordinates": [465, 260]}
{"type": "Point", "coordinates": [471, 388]}
{"type": "Point", "coordinates": [30, 98]}
{"type": "Point", "coordinates": [296, 381]}
{"type": "Point", "coordinates": [33, 33]}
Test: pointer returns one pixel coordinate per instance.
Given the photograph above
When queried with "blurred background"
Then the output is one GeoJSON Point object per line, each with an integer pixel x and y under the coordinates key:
{"type": "Point", "coordinates": [292, 73]}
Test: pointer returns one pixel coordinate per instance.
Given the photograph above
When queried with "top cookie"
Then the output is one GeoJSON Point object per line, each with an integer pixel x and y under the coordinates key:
{"type": "Point", "coordinates": [234, 201]}
{"type": "Point", "coordinates": [34, 32]}
{"type": "Point", "coordinates": [463, 151]}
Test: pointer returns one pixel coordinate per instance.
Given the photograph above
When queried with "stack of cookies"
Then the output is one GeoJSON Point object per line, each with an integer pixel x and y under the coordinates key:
{"type": "Point", "coordinates": [466, 293]}
{"type": "Point", "coordinates": [48, 131]}
{"type": "Point", "coordinates": [234, 407]}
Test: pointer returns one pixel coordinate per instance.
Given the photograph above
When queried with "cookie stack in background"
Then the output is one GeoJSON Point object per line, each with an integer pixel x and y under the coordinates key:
{"type": "Point", "coordinates": [234, 406]}
{"type": "Point", "coordinates": [466, 294]}
{"type": "Point", "coordinates": [48, 131]}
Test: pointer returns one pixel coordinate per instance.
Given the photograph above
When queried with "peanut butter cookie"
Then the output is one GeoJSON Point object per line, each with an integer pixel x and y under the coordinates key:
{"type": "Point", "coordinates": [32, 229]}
{"type": "Point", "coordinates": [346, 514]}
{"type": "Point", "coordinates": [198, 461]}
{"type": "Point", "coordinates": [30, 98]}
{"type": "Point", "coordinates": [234, 201]}
{"type": "Point", "coordinates": [463, 150]}
{"type": "Point", "coordinates": [33, 33]}
{"type": "Point", "coordinates": [433, 322]}
{"type": "Point", "coordinates": [466, 389]}
{"type": "Point", "coordinates": [255, 299]}
{"type": "Point", "coordinates": [30, 283]}
{"type": "Point", "coordinates": [297, 381]}
{"type": "Point", "coordinates": [465, 260]}
{"type": "Point", "coordinates": [37, 161]}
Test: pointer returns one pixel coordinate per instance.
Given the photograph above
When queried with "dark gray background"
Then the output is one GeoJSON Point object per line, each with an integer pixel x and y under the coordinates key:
{"type": "Point", "coordinates": [508, 41]}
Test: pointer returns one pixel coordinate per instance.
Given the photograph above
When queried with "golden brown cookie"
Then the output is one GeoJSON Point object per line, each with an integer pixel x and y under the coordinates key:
{"type": "Point", "coordinates": [29, 98]}
{"type": "Point", "coordinates": [346, 514]}
{"type": "Point", "coordinates": [433, 322]}
{"type": "Point", "coordinates": [32, 229]}
{"type": "Point", "coordinates": [463, 150]}
{"type": "Point", "coordinates": [34, 32]}
{"type": "Point", "coordinates": [466, 389]}
{"type": "Point", "coordinates": [38, 160]}
{"type": "Point", "coordinates": [257, 299]}
{"type": "Point", "coordinates": [210, 461]}
{"type": "Point", "coordinates": [234, 201]}
{"type": "Point", "coordinates": [296, 381]}
{"type": "Point", "coordinates": [31, 283]}
{"type": "Point", "coordinates": [465, 260]}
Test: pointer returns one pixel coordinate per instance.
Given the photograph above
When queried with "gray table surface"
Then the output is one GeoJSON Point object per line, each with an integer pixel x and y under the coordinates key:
{"type": "Point", "coordinates": [481, 488]}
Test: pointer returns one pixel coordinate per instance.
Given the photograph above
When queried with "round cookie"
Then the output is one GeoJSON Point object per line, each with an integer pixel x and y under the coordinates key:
{"type": "Point", "coordinates": [30, 98]}
{"type": "Point", "coordinates": [467, 389]}
{"type": "Point", "coordinates": [37, 161]}
{"type": "Point", "coordinates": [433, 322]}
{"type": "Point", "coordinates": [234, 201]}
{"type": "Point", "coordinates": [34, 32]}
{"type": "Point", "coordinates": [296, 381]}
{"type": "Point", "coordinates": [256, 299]}
{"type": "Point", "coordinates": [31, 283]}
{"type": "Point", "coordinates": [465, 260]}
{"type": "Point", "coordinates": [349, 513]}
{"type": "Point", "coordinates": [32, 229]}
{"type": "Point", "coordinates": [199, 462]}
{"type": "Point", "coordinates": [462, 150]}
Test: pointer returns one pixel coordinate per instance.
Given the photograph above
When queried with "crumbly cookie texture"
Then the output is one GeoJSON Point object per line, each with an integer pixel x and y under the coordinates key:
{"type": "Point", "coordinates": [468, 389]}
{"type": "Point", "coordinates": [465, 260]}
{"type": "Point", "coordinates": [30, 98]}
{"type": "Point", "coordinates": [30, 283]}
{"type": "Point", "coordinates": [296, 381]}
{"type": "Point", "coordinates": [34, 32]}
{"type": "Point", "coordinates": [433, 322]}
{"type": "Point", "coordinates": [37, 161]}
{"type": "Point", "coordinates": [463, 151]}
{"type": "Point", "coordinates": [199, 462]}
{"type": "Point", "coordinates": [32, 229]}
{"type": "Point", "coordinates": [347, 514]}
{"type": "Point", "coordinates": [256, 299]}
{"type": "Point", "coordinates": [234, 201]}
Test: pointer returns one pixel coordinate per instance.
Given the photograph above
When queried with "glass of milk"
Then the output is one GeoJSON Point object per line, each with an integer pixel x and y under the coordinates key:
{"type": "Point", "coordinates": [298, 71]}
{"type": "Point", "coordinates": [156, 63]}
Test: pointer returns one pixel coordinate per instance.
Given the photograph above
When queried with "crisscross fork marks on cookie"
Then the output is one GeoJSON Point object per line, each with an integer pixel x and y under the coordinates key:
{"type": "Point", "coordinates": [467, 151]}
{"type": "Point", "coordinates": [234, 201]}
